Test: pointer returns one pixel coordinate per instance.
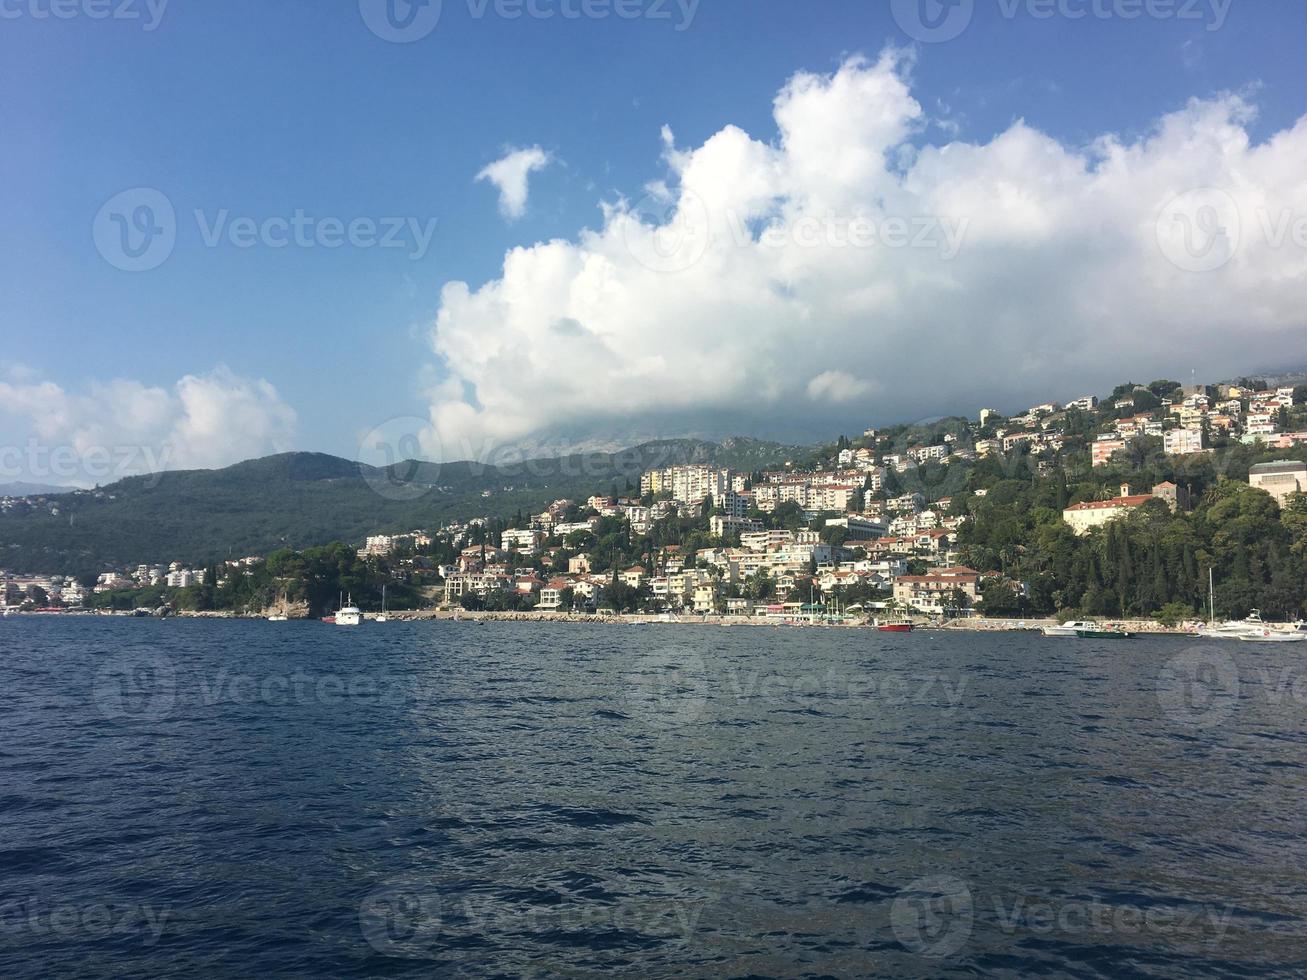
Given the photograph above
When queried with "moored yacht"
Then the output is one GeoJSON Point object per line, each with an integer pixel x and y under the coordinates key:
{"type": "Point", "coordinates": [349, 614]}
{"type": "Point", "coordinates": [1073, 627]}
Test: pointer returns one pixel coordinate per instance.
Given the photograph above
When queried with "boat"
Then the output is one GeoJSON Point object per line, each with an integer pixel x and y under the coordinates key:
{"type": "Point", "coordinates": [348, 614]}
{"type": "Point", "coordinates": [1104, 633]}
{"type": "Point", "coordinates": [1253, 630]}
{"type": "Point", "coordinates": [895, 626]}
{"type": "Point", "coordinates": [382, 617]}
{"type": "Point", "coordinates": [1268, 635]}
{"type": "Point", "coordinates": [1070, 628]}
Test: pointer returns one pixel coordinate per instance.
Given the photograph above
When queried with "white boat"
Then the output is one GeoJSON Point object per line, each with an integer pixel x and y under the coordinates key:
{"type": "Point", "coordinates": [1267, 635]}
{"type": "Point", "coordinates": [349, 614]}
{"type": "Point", "coordinates": [1253, 630]}
{"type": "Point", "coordinates": [1070, 627]}
{"type": "Point", "coordinates": [383, 618]}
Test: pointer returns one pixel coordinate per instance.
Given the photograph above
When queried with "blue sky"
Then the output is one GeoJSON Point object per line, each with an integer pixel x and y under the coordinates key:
{"type": "Point", "coordinates": [263, 107]}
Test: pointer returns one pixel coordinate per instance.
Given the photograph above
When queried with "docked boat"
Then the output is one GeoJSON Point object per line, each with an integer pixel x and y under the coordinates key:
{"type": "Point", "coordinates": [1268, 635]}
{"type": "Point", "coordinates": [382, 617]}
{"type": "Point", "coordinates": [1253, 627]}
{"type": "Point", "coordinates": [1104, 633]}
{"type": "Point", "coordinates": [1070, 628]}
{"type": "Point", "coordinates": [349, 614]}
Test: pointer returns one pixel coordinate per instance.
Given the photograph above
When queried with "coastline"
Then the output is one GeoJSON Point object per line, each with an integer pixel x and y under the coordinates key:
{"type": "Point", "coordinates": [1148, 627]}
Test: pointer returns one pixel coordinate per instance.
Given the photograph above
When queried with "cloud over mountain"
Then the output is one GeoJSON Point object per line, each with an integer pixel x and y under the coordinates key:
{"type": "Point", "coordinates": [849, 263]}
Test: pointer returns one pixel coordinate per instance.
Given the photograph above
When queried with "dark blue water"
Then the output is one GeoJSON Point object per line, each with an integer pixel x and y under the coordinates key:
{"type": "Point", "coordinates": [248, 799]}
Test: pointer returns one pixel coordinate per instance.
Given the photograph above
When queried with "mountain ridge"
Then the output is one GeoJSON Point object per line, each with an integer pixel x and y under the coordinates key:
{"type": "Point", "coordinates": [302, 499]}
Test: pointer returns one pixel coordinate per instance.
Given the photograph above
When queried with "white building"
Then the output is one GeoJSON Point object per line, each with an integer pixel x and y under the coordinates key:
{"type": "Point", "coordinates": [1279, 479]}
{"type": "Point", "coordinates": [1182, 442]}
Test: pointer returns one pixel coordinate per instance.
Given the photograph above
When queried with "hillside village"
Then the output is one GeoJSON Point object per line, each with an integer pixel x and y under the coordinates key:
{"type": "Point", "coordinates": [878, 522]}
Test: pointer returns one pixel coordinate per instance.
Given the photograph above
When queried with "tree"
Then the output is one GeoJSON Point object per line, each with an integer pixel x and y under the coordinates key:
{"type": "Point", "coordinates": [999, 598]}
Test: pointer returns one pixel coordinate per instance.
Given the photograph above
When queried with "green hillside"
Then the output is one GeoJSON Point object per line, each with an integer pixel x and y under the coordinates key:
{"type": "Point", "coordinates": [305, 499]}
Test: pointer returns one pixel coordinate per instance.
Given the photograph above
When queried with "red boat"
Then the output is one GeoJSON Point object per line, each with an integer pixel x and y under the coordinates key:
{"type": "Point", "coordinates": [895, 627]}
{"type": "Point", "coordinates": [328, 619]}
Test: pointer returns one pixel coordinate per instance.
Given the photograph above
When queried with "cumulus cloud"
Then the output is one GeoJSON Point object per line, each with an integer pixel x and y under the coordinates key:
{"type": "Point", "coordinates": [122, 428]}
{"type": "Point", "coordinates": [851, 267]}
{"type": "Point", "coordinates": [511, 175]}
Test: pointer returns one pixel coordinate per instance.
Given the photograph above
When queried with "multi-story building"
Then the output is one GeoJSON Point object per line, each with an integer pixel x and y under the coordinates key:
{"type": "Point", "coordinates": [522, 539]}
{"type": "Point", "coordinates": [939, 591]}
{"type": "Point", "coordinates": [1182, 442]}
{"type": "Point", "coordinates": [1104, 448]}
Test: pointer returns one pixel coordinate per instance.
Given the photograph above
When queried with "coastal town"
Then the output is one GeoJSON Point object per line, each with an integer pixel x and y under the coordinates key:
{"type": "Point", "coordinates": [871, 526]}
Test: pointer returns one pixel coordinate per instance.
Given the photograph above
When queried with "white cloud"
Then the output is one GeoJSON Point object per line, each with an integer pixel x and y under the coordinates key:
{"type": "Point", "coordinates": [838, 387]}
{"type": "Point", "coordinates": [850, 262]}
{"type": "Point", "coordinates": [122, 428]}
{"type": "Point", "coordinates": [511, 175]}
